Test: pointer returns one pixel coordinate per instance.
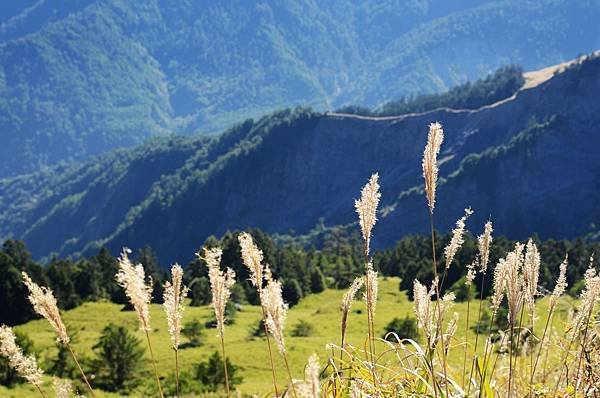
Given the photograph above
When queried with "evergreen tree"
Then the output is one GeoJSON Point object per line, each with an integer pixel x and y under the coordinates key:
{"type": "Point", "coordinates": [118, 365]}
{"type": "Point", "coordinates": [291, 291]}
{"type": "Point", "coordinates": [317, 281]}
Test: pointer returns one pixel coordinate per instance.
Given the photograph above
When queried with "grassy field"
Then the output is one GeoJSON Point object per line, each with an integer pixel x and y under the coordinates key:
{"type": "Point", "coordinates": [321, 310]}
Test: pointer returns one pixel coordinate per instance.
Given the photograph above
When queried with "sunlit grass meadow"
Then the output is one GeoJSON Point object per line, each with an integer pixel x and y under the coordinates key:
{"type": "Point", "coordinates": [321, 310]}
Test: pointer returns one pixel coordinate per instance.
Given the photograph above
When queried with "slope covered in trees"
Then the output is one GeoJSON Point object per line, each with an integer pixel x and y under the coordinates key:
{"type": "Point", "coordinates": [528, 163]}
{"type": "Point", "coordinates": [78, 78]}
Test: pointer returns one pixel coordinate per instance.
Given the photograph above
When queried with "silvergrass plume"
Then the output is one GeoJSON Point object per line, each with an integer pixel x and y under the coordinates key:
{"type": "Point", "coordinates": [366, 207]}
{"type": "Point", "coordinates": [430, 166]}
{"type": "Point", "coordinates": [372, 289]}
{"type": "Point", "coordinates": [457, 238]}
{"type": "Point", "coordinates": [252, 257]}
{"type": "Point", "coordinates": [471, 272]}
{"type": "Point", "coordinates": [484, 241]}
{"type": "Point", "coordinates": [514, 284]}
{"type": "Point", "coordinates": [275, 311]}
{"type": "Point", "coordinates": [349, 298]}
{"type": "Point", "coordinates": [498, 285]}
{"type": "Point", "coordinates": [25, 366]}
{"type": "Point", "coordinates": [587, 299]}
{"type": "Point", "coordinates": [311, 387]}
{"type": "Point", "coordinates": [531, 274]}
{"type": "Point", "coordinates": [220, 283]}
{"type": "Point", "coordinates": [173, 296]}
{"type": "Point", "coordinates": [62, 388]}
{"type": "Point", "coordinates": [133, 280]}
{"type": "Point", "coordinates": [561, 283]}
{"type": "Point", "coordinates": [44, 303]}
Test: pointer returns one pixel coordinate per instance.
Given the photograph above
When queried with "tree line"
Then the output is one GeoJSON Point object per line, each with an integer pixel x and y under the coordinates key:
{"type": "Point", "coordinates": [302, 270]}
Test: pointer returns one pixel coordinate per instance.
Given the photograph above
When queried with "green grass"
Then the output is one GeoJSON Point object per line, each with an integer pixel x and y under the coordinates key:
{"type": "Point", "coordinates": [321, 310]}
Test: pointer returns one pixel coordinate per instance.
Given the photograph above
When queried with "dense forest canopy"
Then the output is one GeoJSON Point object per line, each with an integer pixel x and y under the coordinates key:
{"type": "Point", "coordinates": [302, 270]}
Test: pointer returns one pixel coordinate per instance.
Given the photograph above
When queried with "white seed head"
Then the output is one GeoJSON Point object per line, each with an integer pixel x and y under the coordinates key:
{"type": "Point", "coordinates": [561, 283]}
{"type": "Point", "coordinates": [351, 293]}
{"type": "Point", "coordinates": [311, 387]}
{"type": "Point", "coordinates": [252, 257]}
{"type": "Point", "coordinates": [484, 241]}
{"type": "Point", "coordinates": [133, 280]}
{"type": "Point", "coordinates": [531, 274]}
{"type": "Point", "coordinates": [275, 312]}
{"type": "Point", "coordinates": [62, 388]}
{"type": "Point", "coordinates": [173, 295]}
{"type": "Point", "coordinates": [499, 284]}
{"type": "Point", "coordinates": [514, 282]}
{"type": "Point", "coordinates": [366, 207]}
{"type": "Point", "coordinates": [44, 303]}
{"type": "Point", "coordinates": [471, 272]}
{"type": "Point", "coordinates": [457, 238]}
{"type": "Point", "coordinates": [25, 366]}
{"type": "Point", "coordinates": [220, 284]}
{"type": "Point", "coordinates": [372, 289]}
{"type": "Point", "coordinates": [590, 295]}
{"type": "Point", "coordinates": [430, 166]}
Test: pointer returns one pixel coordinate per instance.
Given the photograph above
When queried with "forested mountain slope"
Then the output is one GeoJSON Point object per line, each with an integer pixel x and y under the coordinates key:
{"type": "Point", "coordinates": [529, 162]}
{"type": "Point", "coordinates": [81, 77]}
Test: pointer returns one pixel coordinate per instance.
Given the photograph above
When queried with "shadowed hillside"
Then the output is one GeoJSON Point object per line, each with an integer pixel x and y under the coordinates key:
{"type": "Point", "coordinates": [293, 170]}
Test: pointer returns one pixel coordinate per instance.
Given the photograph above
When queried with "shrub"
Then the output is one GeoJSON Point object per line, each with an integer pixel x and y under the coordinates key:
{"type": "Point", "coordinates": [292, 292]}
{"type": "Point", "coordinates": [194, 332]}
{"type": "Point", "coordinates": [118, 365]}
{"type": "Point", "coordinates": [303, 329]}
{"type": "Point", "coordinates": [211, 376]}
{"type": "Point", "coordinates": [405, 328]}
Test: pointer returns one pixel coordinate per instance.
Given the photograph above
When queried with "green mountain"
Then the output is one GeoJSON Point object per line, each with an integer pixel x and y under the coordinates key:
{"type": "Point", "coordinates": [529, 161]}
{"type": "Point", "coordinates": [80, 77]}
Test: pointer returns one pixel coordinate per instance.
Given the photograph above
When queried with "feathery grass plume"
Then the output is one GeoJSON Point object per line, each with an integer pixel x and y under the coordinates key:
{"type": "Point", "coordinates": [44, 304]}
{"type": "Point", "coordinates": [514, 283]}
{"type": "Point", "coordinates": [450, 330]}
{"type": "Point", "coordinates": [430, 166]}
{"type": "Point", "coordinates": [457, 238]}
{"type": "Point", "coordinates": [498, 285]}
{"type": "Point", "coordinates": [25, 366]}
{"type": "Point", "coordinates": [133, 280]}
{"type": "Point", "coordinates": [423, 309]}
{"type": "Point", "coordinates": [471, 272]}
{"type": "Point", "coordinates": [427, 317]}
{"type": "Point", "coordinates": [484, 241]}
{"type": "Point", "coordinates": [62, 388]}
{"type": "Point", "coordinates": [173, 296]}
{"type": "Point", "coordinates": [587, 299]}
{"type": "Point", "coordinates": [531, 274]}
{"type": "Point", "coordinates": [276, 312]}
{"type": "Point", "coordinates": [366, 207]}
{"type": "Point", "coordinates": [220, 283]}
{"type": "Point", "coordinates": [347, 304]}
{"type": "Point", "coordinates": [252, 257]}
{"type": "Point", "coordinates": [561, 283]}
{"type": "Point", "coordinates": [372, 289]}
{"type": "Point", "coordinates": [311, 387]}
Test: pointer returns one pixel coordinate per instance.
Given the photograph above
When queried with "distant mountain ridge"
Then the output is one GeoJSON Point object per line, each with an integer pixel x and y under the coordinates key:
{"type": "Point", "coordinates": [82, 77]}
{"type": "Point", "coordinates": [529, 162]}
